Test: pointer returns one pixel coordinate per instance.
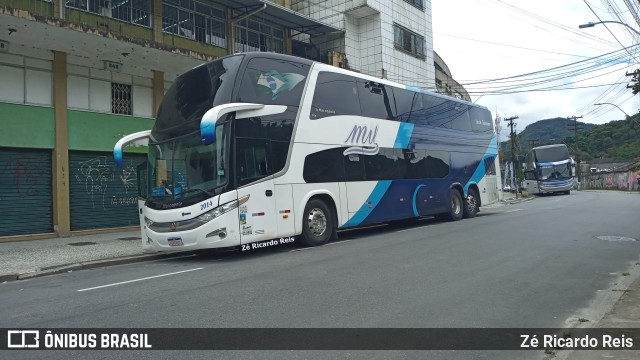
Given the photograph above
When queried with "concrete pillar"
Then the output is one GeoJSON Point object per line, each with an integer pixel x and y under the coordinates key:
{"type": "Point", "coordinates": [288, 48]}
{"type": "Point", "coordinates": [230, 40]}
{"type": "Point", "coordinates": [157, 21]}
{"type": "Point", "coordinates": [58, 9]}
{"type": "Point", "coordinates": [158, 90]}
{"type": "Point", "coordinates": [61, 209]}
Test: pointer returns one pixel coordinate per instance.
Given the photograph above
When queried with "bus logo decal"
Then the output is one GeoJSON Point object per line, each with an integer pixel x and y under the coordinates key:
{"type": "Point", "coordinates": [365, 138]}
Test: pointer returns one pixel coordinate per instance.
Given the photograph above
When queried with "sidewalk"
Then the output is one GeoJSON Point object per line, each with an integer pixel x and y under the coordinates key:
{"type": "Point", "coordinates": [31, 258]}
{"type": "Point", "coordinates": [624, 314]}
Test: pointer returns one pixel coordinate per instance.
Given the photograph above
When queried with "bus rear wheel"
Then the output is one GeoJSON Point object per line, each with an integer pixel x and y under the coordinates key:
{"type": "Point", "coordinates": [318, 224]}
{"type": "Point", "coordinates": [455, 207]}
{"type": "Point", "coordinates": [471, 207]}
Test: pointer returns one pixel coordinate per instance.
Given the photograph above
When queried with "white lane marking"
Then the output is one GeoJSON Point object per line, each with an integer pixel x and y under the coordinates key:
{"type": "Point", "coordinates": [418, 228]}
{"type": "Point", "coordinates": [146, 278]}
{"type": "Point", "coordinates": [318, 247]}
{"type": "Point", "coordinates": [514, 210]}
{"type": "Point", "coordinates": [336, 242]}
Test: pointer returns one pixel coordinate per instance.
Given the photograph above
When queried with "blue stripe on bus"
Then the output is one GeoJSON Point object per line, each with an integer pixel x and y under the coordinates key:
{"type": "Point", "coordinates": [402, 142]}
{"type": "Point", "coordinates": [549, 164]}
{"type": "Point", "coordinates": [413, 201]}
{"type": "Point", "coordinates": [415, 89]}
{"type": "Point", "coordinates": [366, 208]}
{"type": "Point", "coordinates": [557, 182]}
{"type": "Point", "coordinates": [404, 135]}
{"type": "Point", "coordinates": [481, 170]}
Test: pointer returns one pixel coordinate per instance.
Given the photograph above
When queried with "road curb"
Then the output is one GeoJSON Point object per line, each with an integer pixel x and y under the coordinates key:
{"type": "Point", "coordinates": [520, 200]}
{"type": "Point", "coordinates": [51, 270]}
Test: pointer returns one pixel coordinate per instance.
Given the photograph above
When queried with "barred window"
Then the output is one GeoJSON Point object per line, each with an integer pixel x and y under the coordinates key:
{"type": "Point", "coordinates": [121, 99]}
{"type": "Point", "coordinates": [253, 35]}
{"type": "Point", "coordinates": [195, 20]}
{"type": "Point", "coordinates": [408, 41]}
{"type": "Point", "coordinates": [131, 11]}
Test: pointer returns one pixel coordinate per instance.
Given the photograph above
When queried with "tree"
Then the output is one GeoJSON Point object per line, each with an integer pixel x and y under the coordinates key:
{"type": "Point", "coordinates": [635, 80]}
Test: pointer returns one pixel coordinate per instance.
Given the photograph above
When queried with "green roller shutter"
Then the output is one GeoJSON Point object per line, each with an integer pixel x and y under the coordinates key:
{"type": "Point", "coordinates": [26, 200]}
{"type": "Point", "coordinates": [101, 194]}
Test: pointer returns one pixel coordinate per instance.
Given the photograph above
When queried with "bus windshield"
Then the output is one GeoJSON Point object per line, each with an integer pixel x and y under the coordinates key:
{"type": "Point", "coordinates": [561, 171]}
{"type": "Point", "coordinates": [192, 95]}
{"type": "Point", "coordinates": [183, 167]}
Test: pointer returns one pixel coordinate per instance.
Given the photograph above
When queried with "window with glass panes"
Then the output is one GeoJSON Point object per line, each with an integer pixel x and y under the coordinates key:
{"type": "Point", "coordinates": [408, 41]}
{"type": "Point", "coordinates": [254, 35]}
{"type": "Point", "coordinates": [416, 3]}
{"type": "Point", "coordinates": [195, 20]}
{"type": "Point", "coordinates": [131, 11]}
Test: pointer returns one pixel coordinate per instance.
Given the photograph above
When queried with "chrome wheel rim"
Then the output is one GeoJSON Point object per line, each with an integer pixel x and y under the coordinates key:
{"type": "Point", "coordinates": [317, 222]}
{"type": "Point", "coordinates": [455, 205]}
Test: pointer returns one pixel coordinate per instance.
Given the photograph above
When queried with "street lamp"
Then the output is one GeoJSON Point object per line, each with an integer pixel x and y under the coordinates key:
{"type": "Point", "coordinates": [591, 24]}
{"type": "Point", "coordinates": [598, 104]}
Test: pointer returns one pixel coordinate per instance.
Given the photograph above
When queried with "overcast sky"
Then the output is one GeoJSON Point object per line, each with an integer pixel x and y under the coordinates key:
{"type": "Point", "coordinates": [490, 39]}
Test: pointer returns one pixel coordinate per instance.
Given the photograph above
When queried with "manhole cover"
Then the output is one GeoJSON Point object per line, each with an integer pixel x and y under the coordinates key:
{"type": "Point", "coordinates": [129, 238]}
{"type": "Point", "coordinates": [81, 243]}
{"type": "Point", "coordinates": [615, 238]}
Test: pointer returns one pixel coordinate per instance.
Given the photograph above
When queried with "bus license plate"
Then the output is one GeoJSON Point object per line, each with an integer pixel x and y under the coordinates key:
{"type": "Point", "coordinates": [175, 242]}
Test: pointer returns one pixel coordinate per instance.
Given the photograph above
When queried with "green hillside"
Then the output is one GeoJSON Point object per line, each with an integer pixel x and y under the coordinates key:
{"type": "Point", "coordinates": [617, 140]}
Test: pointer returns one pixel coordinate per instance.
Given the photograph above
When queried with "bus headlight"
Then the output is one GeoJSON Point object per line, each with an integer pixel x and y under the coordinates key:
{"type": "Point", "coordinates": [210, 215]}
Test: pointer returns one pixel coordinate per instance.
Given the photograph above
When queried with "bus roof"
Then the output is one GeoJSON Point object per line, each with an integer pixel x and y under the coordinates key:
{"type": "Point", "coordinates": [325, 67]}
{"type": "Point", "coordinates": [548, 146]}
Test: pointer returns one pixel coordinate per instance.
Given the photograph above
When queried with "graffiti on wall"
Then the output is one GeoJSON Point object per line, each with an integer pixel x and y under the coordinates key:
{"type": "Point", "coordinates": [24, 176]}
{"type": "Point", "coordinates": [105, 184]}
{"type": "Point", "coordinates": [627, 180]}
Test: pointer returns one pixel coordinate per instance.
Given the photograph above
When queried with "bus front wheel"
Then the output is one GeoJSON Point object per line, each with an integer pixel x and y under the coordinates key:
{"type": "Point", "coordinates": [318, 224]}
{"type": "Point", "coordinates": [471, 204]}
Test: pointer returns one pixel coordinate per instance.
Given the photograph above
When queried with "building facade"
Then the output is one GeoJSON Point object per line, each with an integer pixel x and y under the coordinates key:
{"type": "Point", "coordinates": [382, 38]}
{"type": "Point", "coordinates": [445, 83]}
{"type": "Point", "coordinates": [77, 75]}
{"type": "Point", "coordinates": [80, 74]}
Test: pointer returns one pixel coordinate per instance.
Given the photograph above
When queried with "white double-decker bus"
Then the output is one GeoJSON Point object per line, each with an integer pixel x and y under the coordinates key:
{"type": "Point", "coordinates": [549, 169]}
{"type": "Point", "coordinates": [259, 149]}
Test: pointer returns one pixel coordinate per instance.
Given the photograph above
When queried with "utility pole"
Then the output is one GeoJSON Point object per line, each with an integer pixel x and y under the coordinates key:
{"type": "Point", "coordinates": [513, 150]}
{"type": "Point", "coordinates": [575, 126]}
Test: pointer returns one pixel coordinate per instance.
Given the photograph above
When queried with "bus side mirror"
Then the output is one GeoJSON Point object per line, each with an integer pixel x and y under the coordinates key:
{"type": "Point", "coordinates": [242, 110]}
{"type": "Point", "coordinates": [141, 137]}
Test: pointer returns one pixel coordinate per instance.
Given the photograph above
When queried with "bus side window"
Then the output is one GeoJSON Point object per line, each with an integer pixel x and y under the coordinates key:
{"type": "Point", "coordinates": [335, 94]}
{"type": "Point", "coordinates": [490, 166]}
{"type": "Point", "coordinates": [376, 100]}
{"type": "Point", "coordinates": [530, 175]}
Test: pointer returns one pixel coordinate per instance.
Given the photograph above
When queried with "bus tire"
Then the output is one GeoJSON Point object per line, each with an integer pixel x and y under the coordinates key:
{"type": "Point", "coordinates": [456, 206]}
{"type": "Point", "coordinates": [318, 223]}
{"type": "Point", "coordinates": [470, 209]}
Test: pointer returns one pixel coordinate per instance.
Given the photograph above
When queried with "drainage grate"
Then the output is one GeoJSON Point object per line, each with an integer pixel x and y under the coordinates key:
{"type": "Point", "coordinates": [129, 238]}
{"type": "Point", "coordinates": [615, 238]}
{"type": "Point", "coordinates": [82, 243]}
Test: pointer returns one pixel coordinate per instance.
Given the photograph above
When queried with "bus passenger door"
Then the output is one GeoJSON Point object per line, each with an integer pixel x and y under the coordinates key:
{"type": "Point", "coordinates": [530, 182]}
{"type": "Point", "coordinates": [257, 215]}
{"type": "Point", "coordinates": [143, 190]}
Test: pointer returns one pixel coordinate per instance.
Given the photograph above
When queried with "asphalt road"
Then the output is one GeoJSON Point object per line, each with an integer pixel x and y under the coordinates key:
{"type": "Point", "coordinates": [528, 265]}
